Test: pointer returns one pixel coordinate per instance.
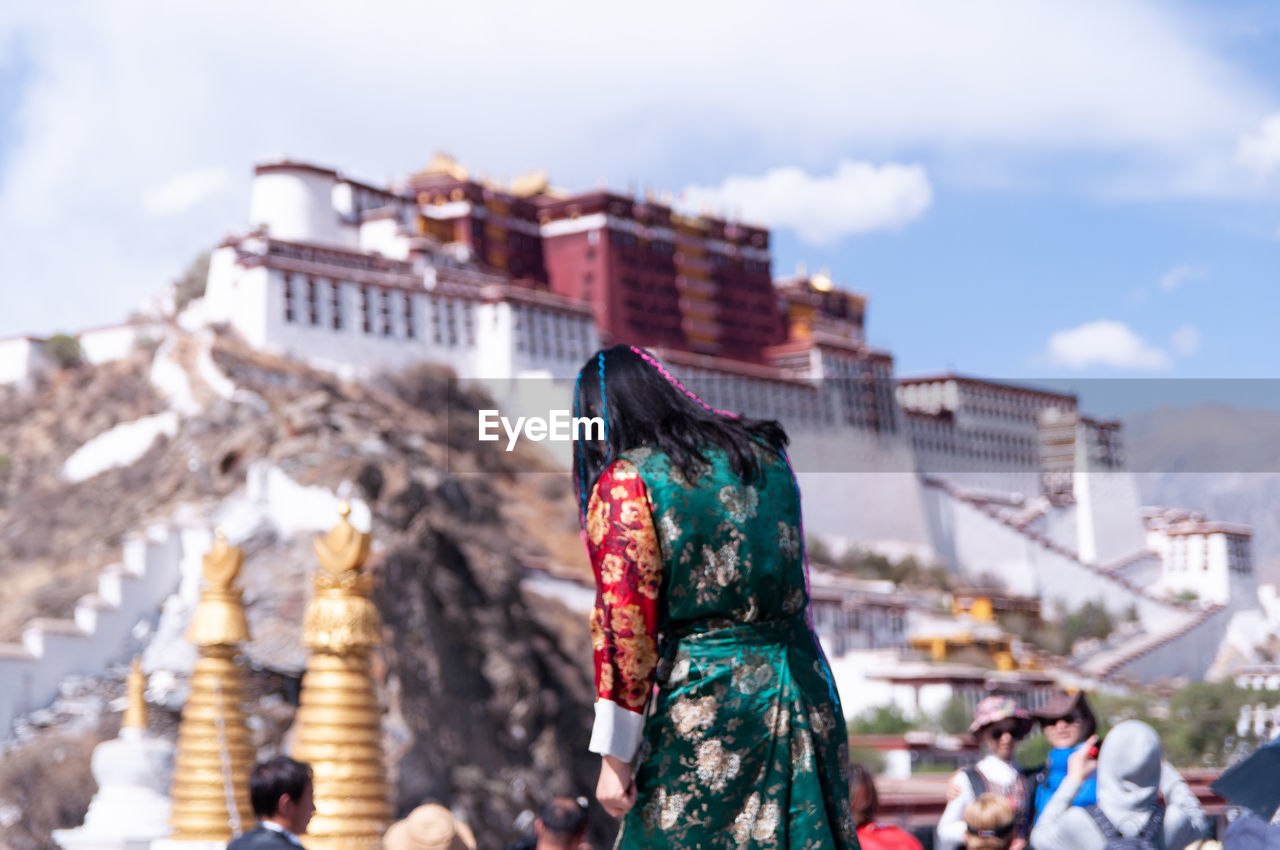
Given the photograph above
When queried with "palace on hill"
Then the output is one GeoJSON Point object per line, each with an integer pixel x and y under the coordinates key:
{"type": "Point", "coordinates": [994, 479]}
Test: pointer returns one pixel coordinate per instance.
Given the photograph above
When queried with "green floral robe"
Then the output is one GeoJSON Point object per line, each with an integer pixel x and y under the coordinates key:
{"type": "Point", "coordinates": [701, 589]}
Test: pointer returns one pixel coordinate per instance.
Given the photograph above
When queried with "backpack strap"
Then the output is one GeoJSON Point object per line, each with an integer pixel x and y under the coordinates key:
{"type": "Point", "coordinates": [976, 781]}
{"type": "Point", "coordinates": [1033, 778]}
{"type": "Point", "coordinates": [1108, 828]}
{"type": "Point", "coordinates": [1153, 831]}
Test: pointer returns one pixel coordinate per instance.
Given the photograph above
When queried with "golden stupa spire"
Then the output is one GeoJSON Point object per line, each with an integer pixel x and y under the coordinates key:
{"type": "Point", "coordinates": [135, 714]}
{"type": "Point", "coordinates": [211, 769]}
{"type": "Point", "coordinates": [339, 722]}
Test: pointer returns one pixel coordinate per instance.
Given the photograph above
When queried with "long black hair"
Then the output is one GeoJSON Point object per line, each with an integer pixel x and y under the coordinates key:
{"type": "Point", "coordinates": [643, 405]}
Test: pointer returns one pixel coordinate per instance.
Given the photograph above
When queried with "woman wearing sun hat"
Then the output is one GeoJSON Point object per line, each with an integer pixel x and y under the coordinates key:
{"type": "Point", "coordinates": [429, 827]}
{"type": "Point", "coordinates": [1067, 722]}
{"type": "Point", "coordinates": [998, 724]}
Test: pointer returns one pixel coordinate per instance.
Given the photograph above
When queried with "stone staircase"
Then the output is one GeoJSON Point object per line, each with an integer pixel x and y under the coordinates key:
{"type": "Point", "coordinates": [1177, 633]}
{"type": "Point", "coordinates": [104, 622]}
{"type": "Point", "coordinates": [1015, 520]}
{"type": "Point", "coordinates": [1111, 662]}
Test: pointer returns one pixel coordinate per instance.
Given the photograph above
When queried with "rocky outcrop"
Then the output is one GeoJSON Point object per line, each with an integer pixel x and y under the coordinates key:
{"type": "Point", "coordinates": [487, 687]}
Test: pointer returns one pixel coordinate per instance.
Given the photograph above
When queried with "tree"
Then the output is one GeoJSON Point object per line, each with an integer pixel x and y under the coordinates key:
{"type": "Point", "coordinates": [191, 285]}
{"type": "Point", "coordinates": [62, 349]}
{"type": "Point", "coordinates": [954, 717]}
{"type": "Point", "coordinates": [1197, 724]}
{"type": "Point", "coordinates": [1091, 620]}
{"type": "Point", "coordinates": [882, 720]}
{"type": "Point", "coordinates": [1201, 725]}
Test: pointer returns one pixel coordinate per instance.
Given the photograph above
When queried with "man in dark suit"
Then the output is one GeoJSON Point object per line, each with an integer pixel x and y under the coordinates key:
{"type": "Point", "coordinates": [283, 798]}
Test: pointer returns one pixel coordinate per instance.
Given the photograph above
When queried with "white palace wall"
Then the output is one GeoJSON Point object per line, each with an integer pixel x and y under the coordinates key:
{"type": "Point", "coordinates": [1109, 515]}
{"type": "Point", "coordinates": [99, 633]}
{"type": "Point", "coordinates": [984, 544]}
{"type": "Point", "coordinates": [19, 358]}
{"type": "Point", "coordinates": [860, 487]}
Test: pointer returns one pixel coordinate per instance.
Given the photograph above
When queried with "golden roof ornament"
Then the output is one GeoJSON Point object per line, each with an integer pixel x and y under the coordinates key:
{"type": "Point", "coordinates": [344, 548]}
{"type": "Point", "coordinates": [339, 720]}
{"type": "Point", "coordinates": [210, 790]}
{"type": "Point", "coordinates": [219, 617]}
{"type": "Point", "coordinates": [341, 617]}
{"type": "Point", "coordinates": [135, 714]}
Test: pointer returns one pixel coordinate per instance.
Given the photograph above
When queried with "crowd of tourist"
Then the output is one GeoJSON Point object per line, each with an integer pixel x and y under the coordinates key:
{"type": "Point", "coordinates": [1091, 793]}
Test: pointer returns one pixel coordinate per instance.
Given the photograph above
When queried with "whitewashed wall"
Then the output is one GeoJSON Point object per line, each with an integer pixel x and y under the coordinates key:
{"type": "Point", "coordinates": [18, 359]}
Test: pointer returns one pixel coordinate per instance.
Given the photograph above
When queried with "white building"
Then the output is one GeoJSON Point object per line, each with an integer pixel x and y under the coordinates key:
{"type": "Point", "coordinates": [20, 359]}
{"type": "Point", "coordinates": [1210, 560]}
{"type": "Point", "coordinates": [332, 274]}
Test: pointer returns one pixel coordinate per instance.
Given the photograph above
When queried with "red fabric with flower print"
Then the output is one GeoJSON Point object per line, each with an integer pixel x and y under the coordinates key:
{"type": "Point", "coordinates": [623, 546]}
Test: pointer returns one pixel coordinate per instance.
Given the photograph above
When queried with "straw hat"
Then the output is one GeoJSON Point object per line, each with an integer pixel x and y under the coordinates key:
{"type": "Point", "coordinates": [429, 827]}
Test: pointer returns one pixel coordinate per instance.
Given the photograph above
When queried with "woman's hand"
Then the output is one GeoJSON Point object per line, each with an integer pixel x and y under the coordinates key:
{"type": "Point", "coordinates": [1079, 764]}
{"type": "Point", "coordinates": [615, 790]}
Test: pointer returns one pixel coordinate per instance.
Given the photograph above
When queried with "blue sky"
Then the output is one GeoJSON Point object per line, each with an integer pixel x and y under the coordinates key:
{"type": "Point", "coordinates": [1061, 188]}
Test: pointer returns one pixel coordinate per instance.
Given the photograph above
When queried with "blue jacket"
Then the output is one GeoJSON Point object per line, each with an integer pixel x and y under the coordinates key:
{"type": "Point", "coordinates": [1055, 770]}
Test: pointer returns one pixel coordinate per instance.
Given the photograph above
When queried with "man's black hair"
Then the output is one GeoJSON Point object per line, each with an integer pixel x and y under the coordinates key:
{"type": "Point", "coordinates": [274, 777]}
{"type": "Point", "coordinates": [564, 816]}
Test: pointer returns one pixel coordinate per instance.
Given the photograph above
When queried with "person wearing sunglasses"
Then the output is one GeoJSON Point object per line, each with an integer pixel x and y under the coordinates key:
{"type": "Point", "coordinates": [998, 724]}
{"type": "Point", "coordinates": [1067, 722]}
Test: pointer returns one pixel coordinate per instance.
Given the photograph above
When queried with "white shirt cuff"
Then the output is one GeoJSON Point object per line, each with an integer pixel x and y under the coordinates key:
{"type": "Point", "coordinates": [616, 731]}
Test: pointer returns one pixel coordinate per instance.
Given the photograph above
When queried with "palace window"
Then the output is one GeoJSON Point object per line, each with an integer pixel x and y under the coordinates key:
{"type": "Point", "coordinates": [384, 310]}
{"type": "Point", "coordinates": [436, 335]}
{"type": "Point", "coordinates": [335, 304]}
{"type": "Point", "coordinates": [366, 310]}
{"type": "Point", "coordinates": [313, 302]}
{"type": "Point", "coordinates": [289, 312]}
{"type": "Point", "coordinates": [410, 329]}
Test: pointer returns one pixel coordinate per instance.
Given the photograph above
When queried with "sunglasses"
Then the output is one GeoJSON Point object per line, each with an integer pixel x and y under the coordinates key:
{"type": "Point", "coordinates": [1069, 719]}
{"type": "Point", "coordinates": [1006, 727]}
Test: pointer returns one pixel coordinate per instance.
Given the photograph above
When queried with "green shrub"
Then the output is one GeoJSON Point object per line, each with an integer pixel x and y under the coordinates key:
{"type": "Point", "coordinates": [62, 349]}
{"type": "Point", "coordinates": [882, 720]}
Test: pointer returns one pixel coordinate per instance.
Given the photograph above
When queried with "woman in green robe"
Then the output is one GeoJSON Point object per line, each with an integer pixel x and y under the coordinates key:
{"type": "Point", "coordinates": [692, 520]}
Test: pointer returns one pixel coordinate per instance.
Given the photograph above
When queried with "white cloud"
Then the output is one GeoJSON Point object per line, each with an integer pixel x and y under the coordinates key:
{"type": "Point", "coordinates": [1185, 340]}
{"type": "Point", "coordinates": [859, 197]}
{"type": "Point", "coordinates": [116, 97]}
{"type": "Point", "coordinates": [1105, 343]}
{"type": "Point", "coordinates": [181, 193]}
{"type": "Point", "coordinates": [1178, 275]}
{"type": "Point", "coordinates": [1259, 150]}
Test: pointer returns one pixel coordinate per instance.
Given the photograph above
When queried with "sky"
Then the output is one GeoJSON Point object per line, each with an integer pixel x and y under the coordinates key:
{"type": "Point", "coordinates": [1024, 189]}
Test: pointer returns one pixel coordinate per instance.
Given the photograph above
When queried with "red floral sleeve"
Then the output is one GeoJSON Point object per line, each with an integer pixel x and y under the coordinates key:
{"type": "Point", "coordinates": [623, 547]}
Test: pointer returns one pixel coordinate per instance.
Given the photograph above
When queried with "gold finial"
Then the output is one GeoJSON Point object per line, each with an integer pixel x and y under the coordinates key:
{"type": "Point", "coordinates": [338, 727]}
{"type": "Point", "coordinates": [219, 617]}
{"type": "Point", "coordinates": [343, 549]}
{"type": "Point", "coordinates": [222, 563]}
{"type": "Point", "coordinates": [135, 714]}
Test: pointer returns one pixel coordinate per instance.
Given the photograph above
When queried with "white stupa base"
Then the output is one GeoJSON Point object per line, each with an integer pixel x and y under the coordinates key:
{"type": "Point", "coordinates": [171, 844]}
{"type": "Point", "coordinates": [83, 839]}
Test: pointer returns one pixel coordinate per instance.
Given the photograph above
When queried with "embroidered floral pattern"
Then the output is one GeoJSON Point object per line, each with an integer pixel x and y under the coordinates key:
{"type": "Point", "coordinates": [692, 717]}
{"type": "Point", "coordinates": [623, 548]}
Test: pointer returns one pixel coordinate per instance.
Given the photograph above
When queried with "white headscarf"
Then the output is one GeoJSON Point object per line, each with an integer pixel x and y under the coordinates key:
{"type": "Point", "coordinates": [1129, 775]}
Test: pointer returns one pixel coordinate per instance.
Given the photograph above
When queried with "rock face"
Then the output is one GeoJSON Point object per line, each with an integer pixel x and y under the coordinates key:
{"type": "Point", "coordinates": [497, 710]}
{"type": "Point", "coordinates": [486, 687]}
